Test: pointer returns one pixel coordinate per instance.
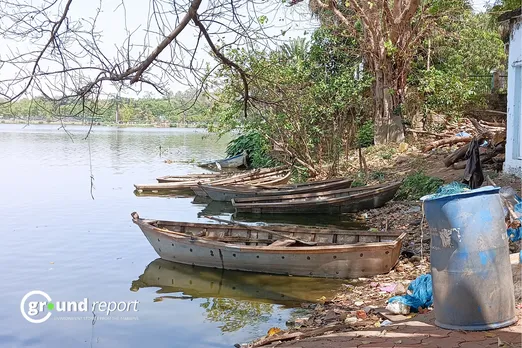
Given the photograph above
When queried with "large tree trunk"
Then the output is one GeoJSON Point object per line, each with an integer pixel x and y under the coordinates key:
{"type": "Point", "coordinates": [387, 126]}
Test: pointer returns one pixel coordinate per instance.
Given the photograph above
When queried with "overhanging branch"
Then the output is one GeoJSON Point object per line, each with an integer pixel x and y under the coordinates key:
{"type": "Point", "coordinates": [225, 61]}
{"type": "Point", "coordinates": [191, 13]}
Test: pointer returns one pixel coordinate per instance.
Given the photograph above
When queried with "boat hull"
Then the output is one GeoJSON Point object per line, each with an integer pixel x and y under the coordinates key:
{"type": "Point", "coordinates": [192, 177]}
{"type": "Point", "coordinates": [177, 184]}
{"type": "Point", "coordinates": [232, 162]}
{"type": "Point", "coordinates": [279, 178]}
{"type": "Point", "coordinates": [339, 204]}
{"type": "Point", "coordinates": [330, 261]}
{"type": "Point", "coordinates": [228, 193]}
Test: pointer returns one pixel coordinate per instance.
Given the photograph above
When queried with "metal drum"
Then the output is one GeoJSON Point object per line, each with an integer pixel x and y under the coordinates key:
{"type": "Point", "coordinates": [471, 270]}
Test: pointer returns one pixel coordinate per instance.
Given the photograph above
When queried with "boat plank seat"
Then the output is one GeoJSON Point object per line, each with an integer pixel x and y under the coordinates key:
{"type": "Point", "coordinates": [282, 243]}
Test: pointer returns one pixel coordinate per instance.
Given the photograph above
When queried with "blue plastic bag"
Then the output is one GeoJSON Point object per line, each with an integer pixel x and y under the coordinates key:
{"type": "Point", "coordinates": [422, 293]}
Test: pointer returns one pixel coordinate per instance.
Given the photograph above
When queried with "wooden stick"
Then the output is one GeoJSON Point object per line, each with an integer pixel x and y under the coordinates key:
{"type": "Point", "coordinates": [438, 135]}
{"type": "Point", "coordinates": [456, 155]}
{"type": "Point", "coordinates": [448, 141]}
{"type": "Point", "coordinates": [484, 158]}
{"type": "Point", "coordinates": [493, 124]}
{"type": "Point", "coordinates": [300, 335]}
{"type": "Point", "coordinates": [256, 228]}
{"type": "Point", "coordinates": [512, 214]}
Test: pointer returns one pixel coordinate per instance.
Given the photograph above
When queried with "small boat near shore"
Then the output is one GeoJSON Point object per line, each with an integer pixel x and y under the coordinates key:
{"type": "Point", "coordinates": [204, 177]}
{"type": "Point", "coordinates": [349, 200]}
{"type": "Point", "coordinates": [287, 250]}
{"type": "Point", "coordinates": [279, 177]}
{"type": "Point", "coordinates": [225, 193]}
{"type": "Point", "coordinates": [174, 184]}
{"type": "Point", "coordinates": [231, 162]}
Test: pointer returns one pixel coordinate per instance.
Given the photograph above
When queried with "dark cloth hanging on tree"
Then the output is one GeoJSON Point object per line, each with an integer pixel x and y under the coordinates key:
{"type": "Point", "coordinates": [473, 176]}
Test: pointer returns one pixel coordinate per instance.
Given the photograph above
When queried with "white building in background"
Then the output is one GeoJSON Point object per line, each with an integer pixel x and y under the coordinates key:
{"type": "Point", "coordinates": [513, 162]}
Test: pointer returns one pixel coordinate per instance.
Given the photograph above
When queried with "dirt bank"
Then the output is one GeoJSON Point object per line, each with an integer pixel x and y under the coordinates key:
{"type": "Point", "coordinates": [358, 305]}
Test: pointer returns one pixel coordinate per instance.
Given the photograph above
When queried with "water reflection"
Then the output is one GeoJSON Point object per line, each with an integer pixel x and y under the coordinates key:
{"type": "Point", "coordinates": [210, 207]}
{"type": "Point", "coordinates": [202, 282]}
{"type": "Point", "coordinates": [234, 315]}
{"type": "Point", "coordinates": [232, 299]}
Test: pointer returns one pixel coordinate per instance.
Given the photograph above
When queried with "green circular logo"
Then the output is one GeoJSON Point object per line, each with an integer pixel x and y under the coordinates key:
{"type": "Point", "coordinates": [50, 306]}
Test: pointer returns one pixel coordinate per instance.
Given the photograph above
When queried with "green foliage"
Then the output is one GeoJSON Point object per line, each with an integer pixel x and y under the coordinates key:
{"type": "Point", "coordinates": [179, 108]}
{"type": "Point", "coordinates": [462, 57]}
{"type": "Point", "coordinates": [304, 96]}
{"type": "Point", "coordinates": [360, 179]}
{"type": "Point", "coordinates": [234, 315]}
{"type": "Point", "coordinates": [365, 134]}
{"type": "Point", "coordinates": [257, 147]}
{"type": "Point", "coordinates": [377, 175]}
{"type": "Point", "coordinates": [417, 185]}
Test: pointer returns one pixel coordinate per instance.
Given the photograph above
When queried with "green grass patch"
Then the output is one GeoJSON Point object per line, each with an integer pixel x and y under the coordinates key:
{"type": "Point", "coordinates": [417, 185]}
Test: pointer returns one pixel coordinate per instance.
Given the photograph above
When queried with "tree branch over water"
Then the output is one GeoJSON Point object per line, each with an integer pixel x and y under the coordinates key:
{"type": "Point", "coordinates": [57, 53]}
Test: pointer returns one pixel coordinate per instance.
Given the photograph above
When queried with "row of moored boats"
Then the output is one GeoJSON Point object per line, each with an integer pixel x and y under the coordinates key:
{"type": "Point", "coordinates": [278, 249]}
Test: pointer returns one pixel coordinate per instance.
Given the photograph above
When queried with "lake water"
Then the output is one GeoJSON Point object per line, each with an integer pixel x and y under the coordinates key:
{"type": "Point", "coordinates": [57, 239]}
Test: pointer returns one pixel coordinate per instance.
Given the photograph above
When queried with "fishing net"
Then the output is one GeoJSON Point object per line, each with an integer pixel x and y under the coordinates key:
{"type": "Point", "coordinates": [450, 189]}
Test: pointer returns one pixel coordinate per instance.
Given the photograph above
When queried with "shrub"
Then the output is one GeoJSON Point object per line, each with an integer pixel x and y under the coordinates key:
{"type": "Point", "coordinates": [417, 185]}
{"type": "Point", "coordinates": [365, 134]}
{"type": "Point", "coordinates": [257, 147]}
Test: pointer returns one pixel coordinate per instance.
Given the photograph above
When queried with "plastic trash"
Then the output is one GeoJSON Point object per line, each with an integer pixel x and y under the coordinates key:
{"type": "Point", "coordinates": [386, 322]}
{"type": "Point", "coordinates": [510, 196]}
{"type": "Point", "coordinates": [398, 307]}
{"type": "Point", "coordinates": [421, 295]}
{"type": "Point", "coordinates": [463, 134]}
{"type": "Point", "coordinates": [388, 288]}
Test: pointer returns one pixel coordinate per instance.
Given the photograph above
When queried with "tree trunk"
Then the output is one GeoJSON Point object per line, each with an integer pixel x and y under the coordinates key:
{"type": "Point", "coordinates": [387, 126]}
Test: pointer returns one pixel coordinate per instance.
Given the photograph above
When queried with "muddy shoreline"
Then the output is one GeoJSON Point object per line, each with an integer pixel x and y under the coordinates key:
{"type": "Point", "coordinates": [360, 303]}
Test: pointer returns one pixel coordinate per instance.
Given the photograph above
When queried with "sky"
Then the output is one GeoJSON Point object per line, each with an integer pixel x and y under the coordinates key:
{"type": "Point", "coordinates": [114, 21]}
{"type": "Point", "coordinates": [478, 5]}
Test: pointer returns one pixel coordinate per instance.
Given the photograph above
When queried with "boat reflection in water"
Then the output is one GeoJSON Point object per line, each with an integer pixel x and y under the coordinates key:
{"type": "Point", "coordinates": [201, 282]}
{"type": "Point", "coordinates": [224, 209]}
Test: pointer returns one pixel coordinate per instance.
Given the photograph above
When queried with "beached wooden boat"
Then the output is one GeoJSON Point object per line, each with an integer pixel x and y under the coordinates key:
{"type": "Point", "coordinates": [336, 253]}
{"type": "Point", "coordinates": [279, 177]}
{"type": "Point", "coordinates": [226, 193]}
{"type": "Point", "coordinates": [205, 177]}
{"type": "Point", "coordinates": [231, 162]}
{"type": "Point", "coordinates": [329, 202]}
{"type": "Point", "coordinates": [248, 176]}
{"type": "Point", "coordinates": [179, 281]}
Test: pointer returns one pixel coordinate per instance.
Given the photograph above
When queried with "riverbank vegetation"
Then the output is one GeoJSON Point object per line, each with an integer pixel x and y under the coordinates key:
{"type": "Point", "coordinates": [314, 100]}
{"type": "Point", "coordinates": [179, 109]}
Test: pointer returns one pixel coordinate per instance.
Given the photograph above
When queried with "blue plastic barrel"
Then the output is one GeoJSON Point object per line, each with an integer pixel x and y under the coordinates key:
{"type": "Point", "coordinates": [471, 270]}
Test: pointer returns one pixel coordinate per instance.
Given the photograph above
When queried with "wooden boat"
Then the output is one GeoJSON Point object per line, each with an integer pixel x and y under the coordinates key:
{"type": "Point", "coordinates": [249, 176]}
{"type": "Point", "coordinates": [203, 282]}
{"type": "Point", "coordinates": [231, 162]}
{"type": "Point", "coordinates": [226, 193]}
{"type": "Point", "coordinates": [337, 253]}
{"type": "Point", "coordinates": [205, 177]}
{"type": "Point", "coordinates": [329, 202]}
{"type": "Point", "coordinates": [268, 179]}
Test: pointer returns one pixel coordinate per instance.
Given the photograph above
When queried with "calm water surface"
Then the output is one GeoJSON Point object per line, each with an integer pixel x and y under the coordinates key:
{"type": "Point", "coordinates": [58, 239]}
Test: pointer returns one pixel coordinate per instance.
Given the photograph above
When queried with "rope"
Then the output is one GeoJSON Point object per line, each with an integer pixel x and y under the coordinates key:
{"type": "Point", "coordinates": [422, 241]}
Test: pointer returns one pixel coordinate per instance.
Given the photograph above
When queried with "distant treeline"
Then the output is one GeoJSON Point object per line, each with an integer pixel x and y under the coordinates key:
{"type": "Point", "coordinates": [177, 109]}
